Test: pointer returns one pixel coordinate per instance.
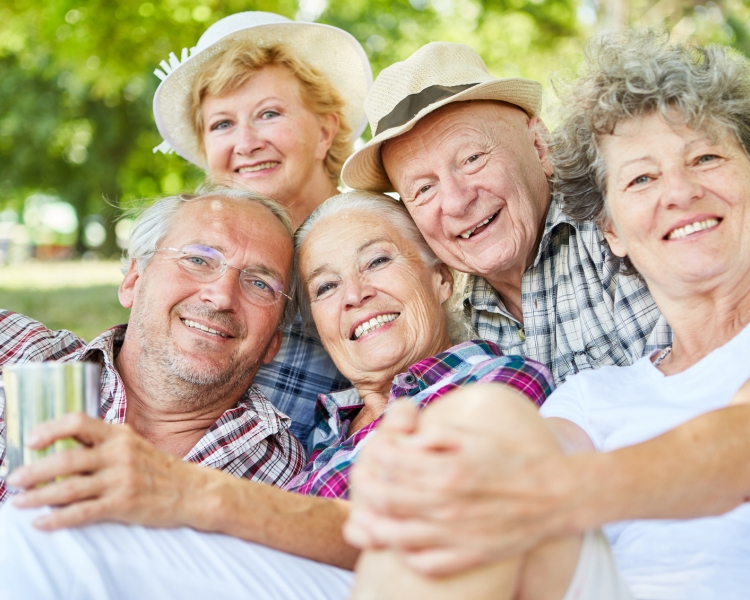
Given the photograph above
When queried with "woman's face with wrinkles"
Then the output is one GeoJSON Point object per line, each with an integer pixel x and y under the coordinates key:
{"type": "Point", "coordinates": [375, 303]}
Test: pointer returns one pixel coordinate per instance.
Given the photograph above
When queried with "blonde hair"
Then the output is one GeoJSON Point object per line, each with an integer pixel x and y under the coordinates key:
{"type": "Point", "coordinates": [230, 70]}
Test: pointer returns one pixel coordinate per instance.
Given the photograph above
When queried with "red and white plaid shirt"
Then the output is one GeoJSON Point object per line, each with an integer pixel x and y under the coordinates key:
{"type": "Point", "coordinates": [250, 440]}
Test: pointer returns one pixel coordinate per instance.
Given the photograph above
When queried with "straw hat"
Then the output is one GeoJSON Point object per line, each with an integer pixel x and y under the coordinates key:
{"type": "Point", "coordinates": [435, 75]}
{"type": "Point", "coordinates": [331, 51]}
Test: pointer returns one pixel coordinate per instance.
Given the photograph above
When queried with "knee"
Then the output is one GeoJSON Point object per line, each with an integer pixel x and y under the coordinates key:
{"type": "Point", "coordinates": [494, 409]}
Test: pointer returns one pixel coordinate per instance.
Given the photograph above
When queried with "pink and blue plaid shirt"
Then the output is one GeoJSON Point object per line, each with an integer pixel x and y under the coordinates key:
{"type": "Point", "coordinates": [250, 440]}
{"type": "Point", "coordinates": [334, 451]}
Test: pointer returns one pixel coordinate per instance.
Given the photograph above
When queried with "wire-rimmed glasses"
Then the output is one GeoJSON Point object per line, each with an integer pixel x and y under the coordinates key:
{"type": "Point", "coordinates": [203, 263]}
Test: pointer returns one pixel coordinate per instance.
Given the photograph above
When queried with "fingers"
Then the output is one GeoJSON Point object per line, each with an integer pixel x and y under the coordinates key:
{"type": "Point", "coordinates": [402, 534]}
{"type": "Point", "coordinates": [61, 493]}
{"type": "Point", "coordinates": [74, 515]}
{"type": "Point", "coordinates": [79, 426]}
{"type": "Point", "coordinates": [441, 562]}
{"type": "Point", "coordinates": [71, 462]}
{"type": "Point", "coordinates": [401, 417]}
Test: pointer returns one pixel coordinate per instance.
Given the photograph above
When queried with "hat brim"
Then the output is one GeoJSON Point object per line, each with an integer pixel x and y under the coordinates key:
{"type": "Point", "coordinates": [364, 169]}
{"type": "Point", "coordinates": [331, 51]}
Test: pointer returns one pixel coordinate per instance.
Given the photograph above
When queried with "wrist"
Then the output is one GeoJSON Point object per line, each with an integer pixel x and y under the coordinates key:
{"type": "Point", "coordinates": [201, 499]}
{"type": "Point", "coordinates": [600, 493]}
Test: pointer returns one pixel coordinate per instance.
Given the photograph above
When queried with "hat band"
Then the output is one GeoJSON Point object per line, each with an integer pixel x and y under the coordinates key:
{"type": "Point", "coordinates": [410, 106]}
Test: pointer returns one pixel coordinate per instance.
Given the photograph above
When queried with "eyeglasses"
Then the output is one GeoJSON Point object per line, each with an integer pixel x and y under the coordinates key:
{"type": "Point", "coordinates": [207, 264]}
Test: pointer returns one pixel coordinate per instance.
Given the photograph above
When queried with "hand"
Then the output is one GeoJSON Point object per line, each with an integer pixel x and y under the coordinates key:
{"type": "Point", "coordinates": [116, 476]}
{"type": "Point", "coordinates": [448, 499]}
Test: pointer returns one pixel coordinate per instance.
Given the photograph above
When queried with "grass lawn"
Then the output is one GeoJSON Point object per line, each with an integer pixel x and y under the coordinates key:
{"type": "Point", "coordinates": [79, 296]}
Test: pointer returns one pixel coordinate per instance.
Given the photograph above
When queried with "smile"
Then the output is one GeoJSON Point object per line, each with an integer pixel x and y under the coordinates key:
{"type": "Point", "coordinates": [686, 230]}
{"type": "Point", "coordinates": [469, 232]}
{"type": "Point", "coordinates": [194, 325]}
{"type": "Point", "coordinates": [373, 324]}
{"type": "Point", "coordinates": [258, 167]}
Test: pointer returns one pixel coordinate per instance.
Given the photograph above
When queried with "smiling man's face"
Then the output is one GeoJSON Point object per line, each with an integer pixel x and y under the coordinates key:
{"type": "Point", "coordinates": [210, 333]}
{"type": "Point", "coordinates": [474, 178]}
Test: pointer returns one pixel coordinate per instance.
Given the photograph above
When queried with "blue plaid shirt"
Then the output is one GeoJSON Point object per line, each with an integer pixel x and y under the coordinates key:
{"type": "Point", "coordinates": [300, 372]}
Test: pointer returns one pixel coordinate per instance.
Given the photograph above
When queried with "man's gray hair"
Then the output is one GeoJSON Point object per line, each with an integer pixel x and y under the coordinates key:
{"type": "Point", "coordinates": [391, 211]}
{"type": "Point", "coordinates": [152, 225]}
{"type": "Point", "coordinates": [630, 75]}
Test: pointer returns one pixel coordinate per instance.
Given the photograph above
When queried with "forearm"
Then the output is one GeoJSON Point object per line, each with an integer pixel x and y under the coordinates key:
{"type": "Point", "coordinates": [700, 468]}
{"type": "Point", "coordinates": [302, 525]}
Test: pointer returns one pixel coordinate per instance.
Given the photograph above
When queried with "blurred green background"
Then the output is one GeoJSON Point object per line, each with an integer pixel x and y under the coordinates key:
{"type": "Point", "coordinates": [76, 128]}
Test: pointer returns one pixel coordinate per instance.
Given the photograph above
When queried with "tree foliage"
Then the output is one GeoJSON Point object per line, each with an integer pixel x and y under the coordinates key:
{"type": "Point", "coordinates": [77, 78]}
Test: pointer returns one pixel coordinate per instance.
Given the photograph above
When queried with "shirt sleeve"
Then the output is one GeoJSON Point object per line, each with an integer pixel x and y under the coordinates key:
{"type": "Point", "coordinates": [525, 375]}
{"type": "Point", "coordinates": [568, 402]}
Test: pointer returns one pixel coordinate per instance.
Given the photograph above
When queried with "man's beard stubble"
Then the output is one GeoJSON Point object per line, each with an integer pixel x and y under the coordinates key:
{"type": "Point", "coordinates": [177, 380]}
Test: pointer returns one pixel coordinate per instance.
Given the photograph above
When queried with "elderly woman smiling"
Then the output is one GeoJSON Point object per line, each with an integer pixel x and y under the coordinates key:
{"type": "Point", "coordinates": [272, 105]}
{"type": "Point", "coordinates": [375, 293]}
{"type": "Point", "coordinates": [655, 144]}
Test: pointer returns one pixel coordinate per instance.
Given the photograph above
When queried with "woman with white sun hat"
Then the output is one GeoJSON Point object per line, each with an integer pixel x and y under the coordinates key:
{"type": "Point", "coordinates": [273, 105]}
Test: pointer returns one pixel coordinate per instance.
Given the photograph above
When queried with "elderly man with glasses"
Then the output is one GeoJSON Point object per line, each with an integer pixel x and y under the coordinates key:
{"type": "Point", "coordinates": [205, 281]}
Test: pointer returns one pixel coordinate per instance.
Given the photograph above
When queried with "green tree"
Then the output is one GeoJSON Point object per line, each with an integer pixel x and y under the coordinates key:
{"type": "Point", "coordinates": [77, 79]}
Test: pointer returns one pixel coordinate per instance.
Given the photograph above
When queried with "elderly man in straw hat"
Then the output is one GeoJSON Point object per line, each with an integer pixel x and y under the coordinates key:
{"type": "Point", "coordinates": [467, 154]}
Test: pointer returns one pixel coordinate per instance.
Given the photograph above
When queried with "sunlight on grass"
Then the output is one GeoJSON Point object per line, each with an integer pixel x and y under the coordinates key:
{"type": "Point", "coordinates": [79, 296]}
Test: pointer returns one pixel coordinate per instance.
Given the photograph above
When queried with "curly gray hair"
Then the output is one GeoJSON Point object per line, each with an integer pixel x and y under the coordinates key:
{"type": "Point", "coordinates": [630, 75]}
{"type": "Point", "coordinates": [152, 225]}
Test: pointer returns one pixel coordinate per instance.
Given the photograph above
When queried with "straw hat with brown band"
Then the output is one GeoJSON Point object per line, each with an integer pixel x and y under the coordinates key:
{"type": "Point", "coordinates": [331, 51]}
{"type": "Point", "coordinates": [435, 75]}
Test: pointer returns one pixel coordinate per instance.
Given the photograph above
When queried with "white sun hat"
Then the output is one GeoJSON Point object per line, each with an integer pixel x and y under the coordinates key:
{"type": "Point", "coordinates": [331, 51]}
{"type": "Point", "coordinates": [435, 75]}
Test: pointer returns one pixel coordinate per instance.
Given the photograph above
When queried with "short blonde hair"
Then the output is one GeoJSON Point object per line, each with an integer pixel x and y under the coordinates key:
{"type": "Point", "coordinates": [230, 70]}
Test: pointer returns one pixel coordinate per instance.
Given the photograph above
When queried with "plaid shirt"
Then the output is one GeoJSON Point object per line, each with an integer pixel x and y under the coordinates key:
{"type": "Point", "coordinates": [334, 452]}
{"type": "Point", "coordinates": [579, 311]}
{"type": "Point", "coordinates": [298, 374]}
{"type": "Point", "coordinates": [250, 440]}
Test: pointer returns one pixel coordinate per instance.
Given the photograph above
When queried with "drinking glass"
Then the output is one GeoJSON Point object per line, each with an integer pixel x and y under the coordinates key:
{"type": "Point", "coordinates": [42, 391]}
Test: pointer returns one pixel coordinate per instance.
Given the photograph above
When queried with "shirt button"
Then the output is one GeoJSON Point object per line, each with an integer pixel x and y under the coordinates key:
{"type": "Point", "coordinates": [522, 335]}
{"type": "Point", "coordinates": [409, 379]}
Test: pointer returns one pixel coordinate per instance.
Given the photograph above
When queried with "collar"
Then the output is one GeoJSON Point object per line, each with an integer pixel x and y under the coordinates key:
{"type": "Point", "coordinates": [105, 347]}
{"type": "Point", "coordinates": [482, 296]}
{"type": "Point", "coordinates": [418, 377]}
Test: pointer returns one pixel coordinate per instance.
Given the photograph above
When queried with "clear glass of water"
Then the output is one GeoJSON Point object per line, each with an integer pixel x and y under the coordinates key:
{"type": "Point", "coordinates": [42, 391]}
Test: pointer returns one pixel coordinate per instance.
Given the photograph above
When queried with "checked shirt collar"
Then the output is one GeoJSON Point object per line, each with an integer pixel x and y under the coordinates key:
{"type": "Point", "coordinates": [482, 296]}
{"type": "Point", "coordinates": [250, 440]}
{"type": "Point", "coordinates": [251, 420]}
{"type": "Point", "coordinates": [579, 310]}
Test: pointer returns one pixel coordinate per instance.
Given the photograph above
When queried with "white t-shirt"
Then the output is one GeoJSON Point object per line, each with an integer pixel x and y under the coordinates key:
{"type": "Point", "coordinates": [620, 406]}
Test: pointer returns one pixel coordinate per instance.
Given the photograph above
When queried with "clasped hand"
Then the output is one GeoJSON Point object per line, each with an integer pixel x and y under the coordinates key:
{"type": "Point", "coordinates": [448, 499]}
{"type": "Point", "coordinates": [115, 475]}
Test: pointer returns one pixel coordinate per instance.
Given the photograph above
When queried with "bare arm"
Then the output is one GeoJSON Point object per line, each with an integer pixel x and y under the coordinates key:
{"type": "Point", "coordinates": [120, 476]}
{"type": "Point", "coordinates": [449, 501]}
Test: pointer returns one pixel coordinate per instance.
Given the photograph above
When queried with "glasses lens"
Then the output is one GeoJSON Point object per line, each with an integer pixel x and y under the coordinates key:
{"type": "Point", "coordinates": [259, 287]}
{"type": "Point", "coordinates": [201, 261]}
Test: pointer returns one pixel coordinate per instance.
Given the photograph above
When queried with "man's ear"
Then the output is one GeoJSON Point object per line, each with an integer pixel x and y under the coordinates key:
{"type": "Point", "coordinates": [329, 127]}
{"type": "Point", "coordinates": [615, 242]}
{"type": "Point", "coordinates": [273, 347]}
{"type": "Point", "coordinates": [444, 280]}
{"type": "Point", "coordinates": [126, 293]}
{"type": "Point", "coordinates": [541, 138]}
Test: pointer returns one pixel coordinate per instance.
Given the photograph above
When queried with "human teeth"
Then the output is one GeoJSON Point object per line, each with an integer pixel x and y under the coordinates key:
{"type": "Point", "coordinates": [686, 230]}
{"type": "Point", "coordinates": [467, 234]}
{"type": "Point", "coordinates": [373, 324]}
{"type": "Point", "coordinates": [259, 167]}
{"type": "Point", "coordinates": [195, 325]}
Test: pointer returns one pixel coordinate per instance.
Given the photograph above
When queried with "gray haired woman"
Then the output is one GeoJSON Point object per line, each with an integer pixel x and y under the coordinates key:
{"type": "Point", "coordinates": [654, 143]}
